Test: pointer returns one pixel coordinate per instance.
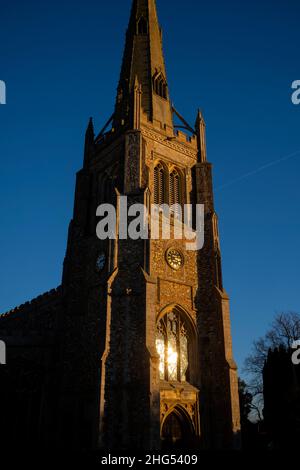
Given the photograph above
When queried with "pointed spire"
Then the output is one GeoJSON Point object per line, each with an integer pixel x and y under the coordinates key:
{"type": "Point", "coordinates": [200, 128]}
{"type": "Point", "coordinates": [89, 141]}
{"type": "Point", "coordinates": [143, 60]}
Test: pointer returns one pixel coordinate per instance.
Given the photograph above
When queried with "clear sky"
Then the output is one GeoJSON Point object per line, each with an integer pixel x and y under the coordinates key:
{"type": "Point", "coordinates": [236, 60]}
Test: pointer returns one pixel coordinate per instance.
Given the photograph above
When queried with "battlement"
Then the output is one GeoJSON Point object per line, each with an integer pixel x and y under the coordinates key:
{"type": "Point", "coordinates": [32, 303]}
{"type": "Point", "coordinates": [186, 139]}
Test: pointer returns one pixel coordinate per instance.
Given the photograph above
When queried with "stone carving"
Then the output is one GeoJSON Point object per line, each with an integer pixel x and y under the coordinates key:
{"type": "Point", "coordinates": [180, 147]}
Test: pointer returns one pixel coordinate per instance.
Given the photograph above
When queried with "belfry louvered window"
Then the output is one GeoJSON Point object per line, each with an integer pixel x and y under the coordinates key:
{"type": "Point", "coordinates": [159, 184]}
{"type": "Point", "coordinates": [175, 188]}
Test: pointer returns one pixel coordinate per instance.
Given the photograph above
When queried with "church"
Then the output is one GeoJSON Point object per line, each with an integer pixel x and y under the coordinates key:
{"type": "Point", "coordinates": [133, 350]}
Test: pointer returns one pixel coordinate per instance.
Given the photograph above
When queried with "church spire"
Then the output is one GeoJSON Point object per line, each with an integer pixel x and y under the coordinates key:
{"type": "Point", "coordinates": [143, 61]}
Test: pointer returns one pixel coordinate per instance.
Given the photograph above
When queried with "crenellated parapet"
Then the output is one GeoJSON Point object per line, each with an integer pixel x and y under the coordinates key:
{"type": "Point", "coordinates": [34, 317]}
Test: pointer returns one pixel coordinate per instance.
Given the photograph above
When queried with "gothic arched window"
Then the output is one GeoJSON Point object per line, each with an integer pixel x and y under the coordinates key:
{"type": "Point", "coordinates": [172, 347]}
{"type": "Point", "coordinates": [175, 188]}
{"type": "Point", "coordinates": [160, 85]}
{"type": "Point", "coordinates": [159, 184]}
{"type": "Point", "coordinates": [175, 193]}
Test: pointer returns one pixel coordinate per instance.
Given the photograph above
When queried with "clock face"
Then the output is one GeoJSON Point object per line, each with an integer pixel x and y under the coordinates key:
{"type": "Point", "coordinates": [174, 258]}
{"type": "Point", "coordinates": [100, 263]}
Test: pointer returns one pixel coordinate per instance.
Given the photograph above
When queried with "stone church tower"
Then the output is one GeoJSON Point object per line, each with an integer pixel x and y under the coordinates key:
{"type": "Point", "coordinates": [145, 353]}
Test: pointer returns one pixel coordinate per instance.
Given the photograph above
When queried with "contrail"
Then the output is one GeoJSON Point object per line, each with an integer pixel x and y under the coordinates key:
{"type": "Point", "coordinates": [258, 170]}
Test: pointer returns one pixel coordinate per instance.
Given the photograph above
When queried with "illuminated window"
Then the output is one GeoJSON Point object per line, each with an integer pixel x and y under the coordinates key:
{"type": "Point", "coordinates": [159, 184]}
{"type": "Point", "coordinates": [172, 347]}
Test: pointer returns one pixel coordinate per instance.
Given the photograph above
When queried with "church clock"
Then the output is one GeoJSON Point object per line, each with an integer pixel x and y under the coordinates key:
{"type": "Point", "coordinates": [174, 259]}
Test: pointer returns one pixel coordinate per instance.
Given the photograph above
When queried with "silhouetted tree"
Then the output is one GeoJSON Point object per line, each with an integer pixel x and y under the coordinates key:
{"type": "Point", "coordinates": [250, 432]}
{"type": "Point", "coordinates": [281, 380]}
{"type": "Point", "coordinates": [285, 329]}
{"type": "Point", "coordinates": [245, 400]}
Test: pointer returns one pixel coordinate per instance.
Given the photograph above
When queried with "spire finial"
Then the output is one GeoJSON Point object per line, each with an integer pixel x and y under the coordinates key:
{"type": "Point", "coordinates": [89, 141]}
{"type": "Point", "coordinates": [200, 117]}
{"type": "Point", "coordinates": [201, 136]}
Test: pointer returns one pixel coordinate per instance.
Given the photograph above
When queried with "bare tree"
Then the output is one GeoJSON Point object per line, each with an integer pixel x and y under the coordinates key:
{"type": "Point", "coordinates": [285, 329]}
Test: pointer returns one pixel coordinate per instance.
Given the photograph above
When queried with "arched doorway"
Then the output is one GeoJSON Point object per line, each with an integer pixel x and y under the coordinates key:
{"type": "Point", "coordinates": [177, 431]}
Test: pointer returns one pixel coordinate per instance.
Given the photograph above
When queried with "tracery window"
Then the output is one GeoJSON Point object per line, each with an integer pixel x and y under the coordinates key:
{"type": "Point", "coordinates": [172, 347]}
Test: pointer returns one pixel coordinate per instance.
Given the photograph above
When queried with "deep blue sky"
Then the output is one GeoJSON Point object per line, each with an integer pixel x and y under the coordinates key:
{"type": "Point", "coordinates": [235, 60]}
